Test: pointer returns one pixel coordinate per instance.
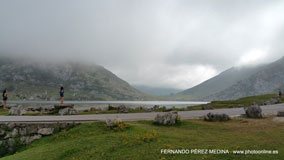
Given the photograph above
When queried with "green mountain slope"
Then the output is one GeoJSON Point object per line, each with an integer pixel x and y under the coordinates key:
{"type": "Point", "coordinates": [41, 81]}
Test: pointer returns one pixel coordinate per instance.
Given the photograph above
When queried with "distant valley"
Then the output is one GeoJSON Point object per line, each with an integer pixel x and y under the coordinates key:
{"type": "Point", "coordinates": [157, 91]}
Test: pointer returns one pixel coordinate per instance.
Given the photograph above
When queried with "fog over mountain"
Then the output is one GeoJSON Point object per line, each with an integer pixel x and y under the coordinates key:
{"type": "Point", "coordinates": [157, 43]}
{"type": "Point", "coordinates": [30, 80]}
{"type": "Point", "coordinates": [239, 82]}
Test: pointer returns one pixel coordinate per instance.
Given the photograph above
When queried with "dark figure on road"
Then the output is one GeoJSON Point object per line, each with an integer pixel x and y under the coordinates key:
{"type": "Point", "coordinates": [5, 98]}
{"type": "Point", "coordinates": [61, 95]}
{"type": "Point", "coordinates": [280, 93]}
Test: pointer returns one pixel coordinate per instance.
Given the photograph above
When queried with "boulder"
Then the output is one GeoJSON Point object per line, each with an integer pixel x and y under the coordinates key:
{"type": "Point", "coordinates": [32, 129]}
{"type": "Point", "coordinates": [2, 132]}
{"type": "Point", "coordinates": [92, 109]}
{"type": "Point", "coordinates": [61, 106]}
{"type": "Point", "coordinates": [68, 111]}
{"type": "Point", "coordinates": [11, 143]}
{"type": "Point", "coordinates": [272, 101]}
{"type": "Point", "coordinates": [216, 117]}
{"type": "Point", "coordinates": [110, 123]}
{"type": "Point", "coordinates": [58, 107]}
{"type": "Point", "coordinates": [122, 109]}
{"type": "Point", "coordinates": [15, 133]}
{"type": "Point", "coordinates": [156, 107]}
{"type": "Point", "coordinates": [22, 131]}
{"type": "Point", "coordinates": [280, 114]}
{"type": "Point", "coordinates": [116, 124]}
{"type": "Point", "coordinates": [253, 111]}
{"type": "Point", "coordinates": [275, 101]}
{"type": "Point", "coordinates": [207, 107]}
{"type": "Point", "coordinates": [29, 139]}
{"type": "Point", "coordinates": [45, 131]}
{"type": "Point", "coordinates": [169, 118]}
{"type": "Point", "coordinates": [10, 126]}
{"type": "Point", "coordinates": [11, 106]}
{"type": "Point", "coordinates": [17, 111]}
{"type": "Point", "coordinates": [34, 137]}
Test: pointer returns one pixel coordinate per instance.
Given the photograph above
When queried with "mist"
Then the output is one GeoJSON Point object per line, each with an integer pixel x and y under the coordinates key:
{"type": "Point", "coordinates": [157, 43]}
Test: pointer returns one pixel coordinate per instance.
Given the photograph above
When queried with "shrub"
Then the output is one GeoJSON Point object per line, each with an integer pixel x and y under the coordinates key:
{"type": "Point", "coordinates": [116, 124]}
{"type": "Point", "coordinates": [149, 136]}
{"type": "Point", "coordinates": [110, 108]}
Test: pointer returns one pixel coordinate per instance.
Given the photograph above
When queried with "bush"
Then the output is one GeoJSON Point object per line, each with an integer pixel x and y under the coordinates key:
{"type": "Point", "coordinates": [149, 136]}
{"type": "Point", "coordinates": [110, 108]}
{"type": "Point", "coordinates": [253, 111]}
{"type": "Point", "coordinates": [216, 117]}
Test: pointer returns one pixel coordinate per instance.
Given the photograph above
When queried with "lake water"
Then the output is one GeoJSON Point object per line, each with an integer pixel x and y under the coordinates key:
{"type": "Point", "coordinates": [104, 104]}
{"type": "Point", "coordinates": [114, 102]}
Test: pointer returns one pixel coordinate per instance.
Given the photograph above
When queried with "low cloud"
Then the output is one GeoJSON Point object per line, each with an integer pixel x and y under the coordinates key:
{"type": "Point", "coordinates": [161, 43]}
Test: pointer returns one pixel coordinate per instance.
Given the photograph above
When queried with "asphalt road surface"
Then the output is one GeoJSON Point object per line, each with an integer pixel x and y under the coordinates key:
{"type": "Point", "coordinates": [267, 110]}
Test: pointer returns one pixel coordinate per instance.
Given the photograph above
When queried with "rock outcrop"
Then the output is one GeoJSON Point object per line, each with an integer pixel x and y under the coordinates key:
{"type": "Point", "coordinates": [68, 111]}
{"type": "Point", "coordinates": [122, 109]}
{"type": "Point", "coordinates": [169, 118]}
{"type": "Point", "coordinates": [253, 111]}
{"type": "Point", "coordinates": [216, 117]}
{"type": "Point", "coordinates": [17, 111]}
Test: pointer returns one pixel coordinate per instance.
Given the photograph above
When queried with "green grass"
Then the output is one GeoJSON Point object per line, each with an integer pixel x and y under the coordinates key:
{"type": "Point", "coordinates": [242, 102]}
{"type": "Point", "coordinates": [3, 112]}
{"type": "Point", "coordinates": [143, 140]}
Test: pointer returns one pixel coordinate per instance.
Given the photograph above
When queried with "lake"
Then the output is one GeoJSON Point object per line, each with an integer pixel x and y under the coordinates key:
{"type": "Point", "coordinates": [103, 104]}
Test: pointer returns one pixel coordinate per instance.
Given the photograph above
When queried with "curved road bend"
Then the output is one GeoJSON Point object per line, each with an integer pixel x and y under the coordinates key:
{"type": "Point", "coordinates": [267, 110]}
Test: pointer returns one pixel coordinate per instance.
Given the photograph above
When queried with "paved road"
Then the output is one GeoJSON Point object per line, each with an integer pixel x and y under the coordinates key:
{"type": "Point", "coordinates": [267, 110]}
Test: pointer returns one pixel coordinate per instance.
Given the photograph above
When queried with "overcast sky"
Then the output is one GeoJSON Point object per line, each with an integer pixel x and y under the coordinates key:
{"type": "Point", "coordinates": [162, 43]}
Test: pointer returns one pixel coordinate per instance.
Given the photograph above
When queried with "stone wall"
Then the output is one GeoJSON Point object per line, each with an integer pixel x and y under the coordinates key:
{"type": "Point", "coordinates": [16, 135]}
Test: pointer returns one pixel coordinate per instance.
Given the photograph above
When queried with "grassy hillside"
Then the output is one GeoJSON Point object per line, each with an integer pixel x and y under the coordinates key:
{"type": "Point", "coordinates": [242, 102]}
{"type": "Point", "coordinates": [143, 140]}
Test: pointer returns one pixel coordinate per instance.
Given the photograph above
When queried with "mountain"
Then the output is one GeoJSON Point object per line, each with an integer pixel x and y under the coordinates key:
{"type": "Point", "coordinates": [29, 80]}
{"type": "Point", "coordinates": [269, 79]}
{"type": "Point", "coordinates": [238, 82]}
{"type": "Point", "coordinates": [157, 91]}
{"type": "Point", "coordinates": [218, 83]}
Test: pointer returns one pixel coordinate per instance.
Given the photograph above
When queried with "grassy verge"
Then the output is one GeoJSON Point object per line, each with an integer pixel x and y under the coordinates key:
{"type": "Point", "coordinates": [3, 112]}
{"type": "Point", "coordinates": [143, 140]}
{"type": "Point", "coordinates": [242, 102]}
